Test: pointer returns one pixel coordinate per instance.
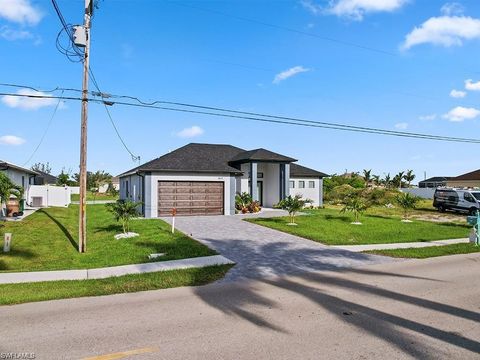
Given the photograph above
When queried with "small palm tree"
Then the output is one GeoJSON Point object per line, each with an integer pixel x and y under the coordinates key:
{"type": "Point", "coordinates": [387, 181]}
{"type": "Point", "coordinates": [7, 189]}
{"type": "Point", "coordinates": [293, 205]}
{"type": "Point", "coordinates": [409, 177]}
{"type": "Point", "coordinates": [407, 202]}
{"type": "Point", "coordinates": [367, 176]}
{"type": "Point", "coordinates": [355, 205]}
{"type": "Point", "coordinates": [124, 211]}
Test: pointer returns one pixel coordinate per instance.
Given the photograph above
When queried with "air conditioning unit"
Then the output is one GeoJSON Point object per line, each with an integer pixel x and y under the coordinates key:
{"type": "Point", "coordinates": [37, 201]}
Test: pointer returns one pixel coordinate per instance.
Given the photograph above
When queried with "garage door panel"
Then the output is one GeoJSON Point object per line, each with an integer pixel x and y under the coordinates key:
{"type": "Point", "coordinates": [190, 198]}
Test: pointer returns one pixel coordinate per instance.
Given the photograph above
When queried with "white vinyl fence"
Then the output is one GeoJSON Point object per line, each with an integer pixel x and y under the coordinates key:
{"type": "Point", "coordinates": [48, 195]}
{"type": "Point", "coordinates": [75, 189]}
{"type": "Point", "coordinates": [424, 193]}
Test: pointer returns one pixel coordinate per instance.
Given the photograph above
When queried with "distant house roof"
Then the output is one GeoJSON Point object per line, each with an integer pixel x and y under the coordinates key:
{"type": "Point", "coordinates": [260, 155]}
{"type": "Point", "coordinates": [302, 171]}
{"type": "Point", "coordinates": [4, 165]}
{"type": "Point", "coordinates": [216, 158]}
{"type": "Point", "coordinates": [43, 178]}
{"type": "Point", "coordinates": [473, 175]}
{"type": "Point", "coordinates": [436, 179]}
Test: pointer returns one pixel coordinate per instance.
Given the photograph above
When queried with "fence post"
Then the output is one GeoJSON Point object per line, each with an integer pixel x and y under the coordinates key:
{"type": "Point", "coordinates": [7, 242]}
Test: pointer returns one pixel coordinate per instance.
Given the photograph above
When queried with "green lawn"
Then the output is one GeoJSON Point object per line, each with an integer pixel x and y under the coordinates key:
{"type": "Point", "coordinates": [91, 196]}
{"type": "Point", "coordinates": [427, 252]}
{"type": "Point", "coordinates": [21, 293]}
{"type": "Point", "coordinates": [331, 227]}
{"type": "Point", "coordinates": [47, 240]}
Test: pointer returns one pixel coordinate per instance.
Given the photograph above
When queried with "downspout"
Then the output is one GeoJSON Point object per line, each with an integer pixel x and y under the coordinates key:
{"type": "Point", "coordinates": [143, 192]}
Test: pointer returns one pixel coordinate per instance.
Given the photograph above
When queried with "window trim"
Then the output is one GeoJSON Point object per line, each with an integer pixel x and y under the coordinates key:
{"type": "Point", "coordinates": [301, 184]}
{"type": "Point", "coordinates": [291, 184]}
{"type": "Point", "coordinates": [311, 184]}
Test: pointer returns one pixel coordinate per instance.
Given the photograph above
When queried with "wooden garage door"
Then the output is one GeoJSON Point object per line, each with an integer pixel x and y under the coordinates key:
{"type": "Point", "coordinates": [190, 198]}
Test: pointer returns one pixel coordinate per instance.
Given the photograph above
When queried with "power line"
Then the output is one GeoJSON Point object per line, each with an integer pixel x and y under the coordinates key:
{"type": "Point", "coordinates": [276, 120]}
{"type": "Point", "coordinates": [285, 28]}
{"type": "Point", "coordinates": [45, 132]}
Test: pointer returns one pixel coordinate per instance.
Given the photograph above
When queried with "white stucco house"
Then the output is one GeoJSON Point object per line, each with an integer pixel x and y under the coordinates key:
{"type": "Point", "coordinates": [203, 179]}
{"type": "Point", "coordinates": [19, 175]}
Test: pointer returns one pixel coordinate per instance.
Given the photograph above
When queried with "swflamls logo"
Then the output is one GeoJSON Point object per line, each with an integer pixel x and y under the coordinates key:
{"type": "Point", "coordinates": [16, 356]}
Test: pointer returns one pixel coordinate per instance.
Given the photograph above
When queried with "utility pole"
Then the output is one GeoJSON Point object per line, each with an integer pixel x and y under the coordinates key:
{"type": "Point", "coordinates": [82, 223]}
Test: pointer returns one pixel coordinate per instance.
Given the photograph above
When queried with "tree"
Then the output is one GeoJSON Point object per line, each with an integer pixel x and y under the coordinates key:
{"type": "Point", "coordinates": [407, 202]}
{"type": "Point", "coordinates": [293, 205]}
{"type": "Point", "coordinates": [64, 179]}
{"type": "Point", "coordinates": [376, 179]}
{"type": "Point", "coordinates": [8, 188]}
{"type": "Point", "coordinates": [409, 177]}
{"type": "Point", "coordinates": [124, 211]}
{"type": "Point", "coordinates": [43, 167]}
{"type": "Point", "coordinates": [397, 179]}
{"type": "Point", "coordinates": [387, 181]}
{"type": "Point", "coordinates": [95, 179]}
{"type": "Point", "coordinates": [356, 205]}
{"type": "Point", "coordinates": [367, 176]}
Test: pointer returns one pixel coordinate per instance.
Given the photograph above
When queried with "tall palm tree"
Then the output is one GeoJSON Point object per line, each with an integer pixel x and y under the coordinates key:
{"type": "Point", "coordinates": [367, 176]}
{"type": "Point", "coordinates": [409, 177]}
{"type": "Point", "coordinates": [397, 179]}
{"type": "Point", "coordinates": [376, 179]}
{"type": "Point", "coordinates": [387, 180]}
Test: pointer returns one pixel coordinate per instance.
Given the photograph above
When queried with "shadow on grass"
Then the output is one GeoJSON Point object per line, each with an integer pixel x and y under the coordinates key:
{"type": "Point", "coordinates": [61, 227]}
{"type": "Point", "coordinates": [15, 253]}
{"type": "Point", "coordinates": [116, 228]}
{"type": "Point", "coordinates": [342, 218]}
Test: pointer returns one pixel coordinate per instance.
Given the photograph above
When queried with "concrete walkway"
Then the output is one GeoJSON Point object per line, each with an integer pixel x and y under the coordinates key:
{"type": "Point", "coordinates": [261, 252]}
{"type": "Point", "coordinates": [94, 202]}
{"type": "Point", "coordinates": [102, 273]}
{"type": "Point", "coordinates": [360, 248]}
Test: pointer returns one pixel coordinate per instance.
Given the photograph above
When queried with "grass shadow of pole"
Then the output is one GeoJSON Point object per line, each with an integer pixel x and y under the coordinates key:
{"type": "Point", "coordinates": [62, 228]}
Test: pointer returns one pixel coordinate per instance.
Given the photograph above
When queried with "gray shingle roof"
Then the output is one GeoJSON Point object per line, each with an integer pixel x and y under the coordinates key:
{"type": "Point", "coordinates": [436, 179]}
{"type": "Point", "coordinates": [4, 165]}
{"type": "Point", "coordinates": [302, 171]}
{"type": "Point", "coordinates": [260, 155]}
{"type": "Point", "coordinates": [473, 175]}
{"type": "Point", "coordinates": [216, 158]}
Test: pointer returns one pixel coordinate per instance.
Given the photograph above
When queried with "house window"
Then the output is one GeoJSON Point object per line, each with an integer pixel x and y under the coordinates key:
{"type": "Point", "coordinates": [291, 184]}
{"type": "Point", "coordinates": [127, 191]}
{"type": "Point", "coordinates": [311, 184]}
{"type": "Point", "coordinates": [301, 184]}
{"type": "Point", "coordinates": [23, 181]}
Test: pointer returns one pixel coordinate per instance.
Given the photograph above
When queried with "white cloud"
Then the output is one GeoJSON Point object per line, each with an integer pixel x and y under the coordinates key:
{"type": "Point", "coordinates": [12, 34]}
{"type": "Point", "coordinates": [461, 113]}
{"type": "Point", "coordinates": [20, 11]}
{"type": "Point", "coordinates": [443, 30]}
{"type": "Point", "coordinates": [190, 132]}
{"type": "Point", "coordinates": [314, 8]}
{"type": "Point", "coordinates": [452, 8]}
{"type": "Point", "coordinates": [428, 117]}
{"type": "Point", "coordinates": [472, 86]}
{"type": "Point", "coordinates": [457, 94]}
{"type": "Point", "coordinates": [401, 126]}
{"type": "Point", "coordinates": [357, 9]}
{"type": "Point", "coordinates": [289, 73]}
{"type": "Point", "coordinates": [28, 103]}
{"type": "Point", "coordinates": [11, 140]}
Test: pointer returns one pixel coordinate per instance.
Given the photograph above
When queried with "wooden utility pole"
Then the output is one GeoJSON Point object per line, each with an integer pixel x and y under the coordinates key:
{"type": "Point", "coordinates": [82, 223]}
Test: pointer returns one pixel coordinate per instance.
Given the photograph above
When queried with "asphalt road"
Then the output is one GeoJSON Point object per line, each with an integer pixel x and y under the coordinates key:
{"type": "Point", "coordinates": [426, 309]}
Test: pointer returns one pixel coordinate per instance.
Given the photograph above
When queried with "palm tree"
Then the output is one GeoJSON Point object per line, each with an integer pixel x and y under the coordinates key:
{"type": "Point", "coordinates": [409, 177]}
{"type": "Point", "coordinates": [407, 202]}
{"type": "Point", "coordinates": [376, 179]}
{"type": "Point", "coordinates": [387, 181]}
{"type": "Point", "coordinates": [293, 205]}
{"type": "Point", "coordinates": [397, 179]}
{"type": "Point", "coordinates": [7, 189]}
{"type": "Point", "coordinates": [355, 205]}
{"type": "Point", "coordinates": [124, 211]}
{"type": "Point", "coordinates": [367, 176]}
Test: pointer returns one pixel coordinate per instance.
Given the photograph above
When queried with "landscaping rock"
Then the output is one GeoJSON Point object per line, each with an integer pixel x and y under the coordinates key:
{"type": "Point", "coordinates": [125, 235]}
{"type": "Point", "coordinates": [155, 256]}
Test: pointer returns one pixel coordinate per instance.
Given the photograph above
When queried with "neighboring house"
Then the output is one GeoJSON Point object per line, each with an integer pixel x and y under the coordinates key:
{"type": "Point", "coordinates": [203, 179]}
{"type": "Point", "coordinates": [19, 175]}
{"type": "Point", "coordinates": [115, 183]}
{"type": "Point", "coordinates": [434, 182]}
{"type": "Point", "coordinates": [471, 179]}
{"type": "Point", "coordinates": [44, 178]}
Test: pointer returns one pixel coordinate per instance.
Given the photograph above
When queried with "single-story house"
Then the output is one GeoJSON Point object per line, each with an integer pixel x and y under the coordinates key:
{"type": "Point", "coordinates": [19, 175]}
{"type": "Point", "coordinates": [44, 178]}
{"type": "Point", "coordinates": [203, 179]}
{"type": "Point", "coordinates": [434, 182]}
{"type": "Point", "coordinates": [470, 179]}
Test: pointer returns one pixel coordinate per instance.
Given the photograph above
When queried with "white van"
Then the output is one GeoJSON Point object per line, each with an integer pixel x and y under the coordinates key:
{"type": "Point", "coordinates": [457, 200]}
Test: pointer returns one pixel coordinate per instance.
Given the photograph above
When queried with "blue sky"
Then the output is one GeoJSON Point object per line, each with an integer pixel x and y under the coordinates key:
{"type": "Point", "coordinates": [206, 52]}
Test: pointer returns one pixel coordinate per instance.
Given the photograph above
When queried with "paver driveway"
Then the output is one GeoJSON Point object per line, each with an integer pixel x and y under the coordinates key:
{"type": "Point", "coordinates": [260, 251]}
